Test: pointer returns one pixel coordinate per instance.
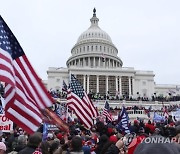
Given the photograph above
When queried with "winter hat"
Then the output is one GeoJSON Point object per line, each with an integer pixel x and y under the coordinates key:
{"type": "Point", "coordinates": [59, 136]}
{"type": "Point", "coordinates": [113, 138]}
{"type": "Point", "coordinates": [2, 146]}
{"type": "Point", "coordinates": [110, 130]}
{"type": "Point", "coordinates": [136, 122]}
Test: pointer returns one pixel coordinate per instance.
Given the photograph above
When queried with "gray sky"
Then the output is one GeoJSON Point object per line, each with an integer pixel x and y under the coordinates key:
{"type": "Point", "coordinates": [146, 32]}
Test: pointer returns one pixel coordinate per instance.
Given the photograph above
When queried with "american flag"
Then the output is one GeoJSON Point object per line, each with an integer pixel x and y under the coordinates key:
{"type": "Point", "coordinates": [106, 112]}
{"type": "Point", "coordinates": [79, 102]}
{"type": "Point", "coordinates": [25, 95]}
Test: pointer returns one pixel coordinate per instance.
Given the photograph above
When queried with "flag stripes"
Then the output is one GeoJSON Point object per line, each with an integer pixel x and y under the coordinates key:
{"type": "Point", "coordinates": [106, 113]}
{"type": "Point", "coordinates": [25, 94]}
{"type": "Point", "coordinates": [78, 101]}
{"type": "Point", "coordinates": [79, 108]}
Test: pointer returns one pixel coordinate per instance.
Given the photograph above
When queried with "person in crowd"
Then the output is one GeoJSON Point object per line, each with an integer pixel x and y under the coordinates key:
{"type": "Point", "coordinates": [137, 140]}
{"type": "Point", "coordinates": [34, 142]}
{"type": "Point", "coordinates": [76, 146]}
{"type": "Point", "coordinates": [2, 148]}
{"type": "Point", "coordinates": [157, 144]}
{"type": "Point", "coordinates": [117, 148]}
{"type": "Point", "coordinates": [102, 141]}
{"type": "Point", "coordinates": [21, 143]}
{"type": "Point", "coordinates": [45, 147]}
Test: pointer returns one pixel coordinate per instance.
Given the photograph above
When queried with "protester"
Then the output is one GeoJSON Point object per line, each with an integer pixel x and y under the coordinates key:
{"type": "Point", "coordinates": [2, 148]}
{"type": "Point", "coordinates": [76, 146]}
{"type": "Point", "coordinates": [33, 143]}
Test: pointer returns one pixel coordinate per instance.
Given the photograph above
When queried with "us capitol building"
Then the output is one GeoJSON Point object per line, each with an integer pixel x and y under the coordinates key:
{"type": "Point", "coordinates": [95, 63]}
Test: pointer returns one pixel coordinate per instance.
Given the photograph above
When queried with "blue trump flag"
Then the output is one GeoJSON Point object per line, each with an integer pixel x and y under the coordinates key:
{"type": "Point", "coordinates": [158, 118]}
{"type": "Point", "coordinates": [123, 121]}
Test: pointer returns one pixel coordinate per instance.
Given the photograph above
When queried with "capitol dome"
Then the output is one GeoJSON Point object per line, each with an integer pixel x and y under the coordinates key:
{"type": "Point", "coordinates": [94, 32]}
{"type": "Point", "coordinates": [94, 48]}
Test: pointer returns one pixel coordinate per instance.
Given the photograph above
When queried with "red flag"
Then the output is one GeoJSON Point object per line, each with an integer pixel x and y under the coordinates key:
{"type": "Point", "coordinates": [25, 94]}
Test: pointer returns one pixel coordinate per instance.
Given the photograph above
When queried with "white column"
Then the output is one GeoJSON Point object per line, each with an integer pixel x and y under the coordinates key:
{"type": "Point", "coordinates": [120, 86]}
{"type": "Point", "coordinates": [116, 83]}
{"type": "Point", "coordinates": [99, 62]}
{"type": "Point", "coordinates": [107, 84]}
{"type": "Point", "coordinates": [94, 65]}
{"type": "Point", "coordinates": [109, 63]}
{"type": "Point", "coordinates": [84, 62]}
{"type": "Point", "coordinates": [130, 86]}
{"type": "Point", "coordinates": [133, 85]}
{"type": "Point", "coordinates": [87, 83]}
{"type": "Point", "coordinates": [97, 86]}
{"type": "Point", "coordinates": [89, 63]}
{"type": "Point", "coordinates": [84, 82]}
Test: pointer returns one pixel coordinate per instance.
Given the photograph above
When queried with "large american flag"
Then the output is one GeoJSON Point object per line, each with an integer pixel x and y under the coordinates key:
{"type": "Point", "coordinates": [106, 112]}
{"type": "Point", "coordinates": [79, 102]}
{"type": "Point", "coordinates": [25, 95]}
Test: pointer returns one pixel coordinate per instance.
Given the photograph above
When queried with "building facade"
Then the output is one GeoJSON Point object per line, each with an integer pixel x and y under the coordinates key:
{"type": "Point", "coordinates": [94, 61]}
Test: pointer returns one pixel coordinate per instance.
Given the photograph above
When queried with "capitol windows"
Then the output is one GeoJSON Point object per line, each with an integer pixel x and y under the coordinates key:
{"type": "Point", "coordinates": [96, 47]}
{"type": "Point", "coordinates": [102, 84]}
{"type": "Point", "coordinates": [112, 85]}
{"type": "Point", "coordinates": [83, 48]}
{"type": "Point", "coordinates": [87, 48]}
{"type": "Point", "coordinates": [92, 83]}
{"type": "Point", "coordinates": [80, 50]}
{"type": "Point", "coordinates": [73, 62]}
{"type": "Point", "coordinates": [97, 61]}
{"type": "Point", "coordinates": [91, 48]}
{"type": "Point", "coordinates": [104, 48]}
{"type": "Point", "coordinates": [91, 61]}
{"type": "Point", "coordinates": [81, 62]}
{"type": "Point", "coordinates": [125, 85]}
{"type": "Point", "coordinates": [100, 48]}
{"type": "Point", "coordinates": [86, 60]}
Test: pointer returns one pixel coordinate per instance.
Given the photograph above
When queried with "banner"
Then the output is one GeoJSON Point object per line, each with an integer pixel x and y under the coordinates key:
{"type": "Point", "coordinates": [6, 125]}
{"type": "Point", "coordinates": [176, 115]}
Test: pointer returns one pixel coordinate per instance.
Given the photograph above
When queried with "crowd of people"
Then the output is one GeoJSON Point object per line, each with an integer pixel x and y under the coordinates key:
{"type": "Point", "coordinates": [103, 137]}
{"type": "Point", "coordinates": [100, 139]}
{"type": "Point", "coordinates": [98, 96]}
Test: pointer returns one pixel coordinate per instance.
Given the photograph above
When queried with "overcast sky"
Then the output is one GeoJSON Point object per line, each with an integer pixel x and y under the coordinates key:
{"type": "Point", "coordinates": [146, 32]}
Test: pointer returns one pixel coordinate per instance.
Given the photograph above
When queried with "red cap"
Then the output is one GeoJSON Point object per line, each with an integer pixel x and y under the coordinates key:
{"type": "Point", "coordinates": [113, 138]}
{"type": "Point", "coordinates": [59, 136]}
